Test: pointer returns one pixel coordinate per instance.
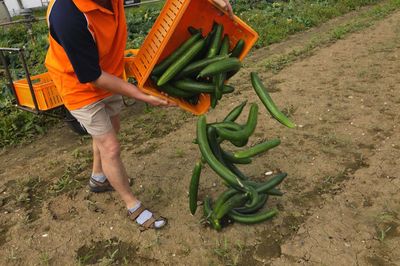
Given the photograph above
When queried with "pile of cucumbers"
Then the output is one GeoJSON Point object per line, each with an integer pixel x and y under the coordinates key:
{"type": "Point", "coordinates": [199, 65]}
{"type": "Point", "coordinates": [244, 199]}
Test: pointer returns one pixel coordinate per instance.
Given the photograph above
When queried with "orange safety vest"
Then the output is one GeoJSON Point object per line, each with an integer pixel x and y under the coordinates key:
{"type": "Point", "coordinates": [110, 33]}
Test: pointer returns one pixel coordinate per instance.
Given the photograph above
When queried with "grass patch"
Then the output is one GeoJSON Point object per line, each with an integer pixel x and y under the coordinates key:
{"type": "Point", "coordinates": [28, 194]}
{"type": "Point", "coordinates": [107, 252]}
{"type": "Point", "coordinates": [69, 181]}
{"type": "Point", "coordinates": [273, 21]}
{"type": "Point", "coordinates": [362, 21]}
{"type": "Point", "coordinates": [276, 21]}
{"type": "Point", "coordinates": [228, 253]}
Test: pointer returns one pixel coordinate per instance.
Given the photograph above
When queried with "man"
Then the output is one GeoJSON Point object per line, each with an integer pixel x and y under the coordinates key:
{"type": "Point", "coordinates": [85, 60]}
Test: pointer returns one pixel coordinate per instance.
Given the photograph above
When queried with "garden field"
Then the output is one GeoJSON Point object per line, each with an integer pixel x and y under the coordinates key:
{"type": "Point", "coordinates": [338, 79]}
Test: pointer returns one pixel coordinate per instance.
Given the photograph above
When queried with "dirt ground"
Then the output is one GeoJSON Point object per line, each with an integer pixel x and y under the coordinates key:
{"type": "Point", "coordinates": [342, 196]}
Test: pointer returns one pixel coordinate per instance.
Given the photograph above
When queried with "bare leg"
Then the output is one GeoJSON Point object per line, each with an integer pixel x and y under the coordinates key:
{"type": "Point", "coordinates": [113, 167]}
{"type": "Point", "coordinates": [97, 166]}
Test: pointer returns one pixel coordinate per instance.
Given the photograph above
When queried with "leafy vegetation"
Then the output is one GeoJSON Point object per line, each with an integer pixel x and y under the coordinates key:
{"type": "Point", "coordinates": [273, 20]}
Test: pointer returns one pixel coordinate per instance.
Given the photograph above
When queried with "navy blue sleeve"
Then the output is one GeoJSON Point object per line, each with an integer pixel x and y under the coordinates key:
{"type": "Point", "coordinates": [69, 28]}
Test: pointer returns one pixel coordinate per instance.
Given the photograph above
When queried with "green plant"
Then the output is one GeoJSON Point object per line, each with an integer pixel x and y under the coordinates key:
{"type": "Point", "coordinates": [227, 254]}
{"type": "Point", "coordinates": [68, 181]}
{"type": "Point", "coordinates": [275, 21]}
{"type": "Point", "coordinates": [45, 258]}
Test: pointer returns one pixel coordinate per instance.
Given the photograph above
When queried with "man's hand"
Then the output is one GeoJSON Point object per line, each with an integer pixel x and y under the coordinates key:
{"type": "Point", "coordinates": [155, 101]}
{"type": "Point", "coordinates": [225, 5]}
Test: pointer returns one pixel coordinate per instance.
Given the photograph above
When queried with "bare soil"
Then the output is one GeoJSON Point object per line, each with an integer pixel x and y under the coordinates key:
{"type": "Point", "coordinates": [342, 197]}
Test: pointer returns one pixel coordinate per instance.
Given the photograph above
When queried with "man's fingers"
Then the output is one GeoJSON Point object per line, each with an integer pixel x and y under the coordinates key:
{"type": "Point", "coordinates": [230, 11]}
{"type": "Point", "coordinates": [228, 7]}
{"type": "Point", "coordinates": [161, 102]}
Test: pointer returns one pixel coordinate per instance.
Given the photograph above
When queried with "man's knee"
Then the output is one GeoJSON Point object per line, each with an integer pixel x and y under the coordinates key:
{"type": "Point", "coordinates": [112, 150]}
{"type": "Point", "coordinates": [115, 121]}
{"type": "Point", "coordinates": [109, 147]}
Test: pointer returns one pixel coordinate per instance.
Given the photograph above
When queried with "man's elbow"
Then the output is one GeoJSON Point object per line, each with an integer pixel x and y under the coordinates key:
{"type": "Point", "coordinates": [98, 81]}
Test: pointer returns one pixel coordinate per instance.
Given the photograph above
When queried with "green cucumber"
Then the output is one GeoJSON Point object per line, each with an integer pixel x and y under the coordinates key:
{"type": "Point", "coordinates": [240, 143]}
{"type": "Point", "coordinates": [207, 39]}
{"type": "Point", "coordinates": [232, 159]}
{"type": "Point", "coordinates": [180, 62]}
{"type": "Point", "coordinates": [227, 89]}
{"type": "Point", "coordinates": [219, 79]}
{"type": "Point", "coordinates": [214, 163]}
{"type": "Point", "coordinates": [231, 166]}
{"type": "Point", "coordinates": [272, 183]}
{"type": "Point", "coordinates": [233, 202]}
{"type": "Point", "coordinates": [257, 149]}
{"type": "Point", "coordinates": [193, 86]}
{"type": "Point", "coordinates": [194, 187]}
{"type": "Point", "coordinates": [217, 151]}
{"type": "Point", "coordinates": [228, 125]}
{"type": "Point", "coordinates": [268, 102]}
{"type": "Point", "coordinates": [207, 207]}
{"type": "Point", "coordinates": [241, 135]}
{"type": "Point", "coordinates": [223, 197]}
{"type": "Point", "coordinates": [224, 45]}
{"type": "Point", "coordinates": [208, 214]}
{"type": "Point", "coordinates": [237, 50]}
{"type": "Point", "coordinates": [225, 65]}
{"type": "Point", "coordinates": [261, 202]}
{"type": "Point", "coordinates": [275, 192]}
{"type": "Point", "coordinates": [172, 91]}
{"type": "Point", "coordinates": [271, 192]}
{"type": "Point", "coordinates": [216, 40]}
{"type": "Point", "coordinates": [214, 99]}
{"type": "Point", "coordinates": [252, 218]}
{"type": "Point", "coordinates": [212, 140]}
{"type": "Point", "coordinates": [254, 197]}
{"type": "Point", "coordinates": [235, 113]}
{"type": "Point", "coordinates": [161, 67]}
{"type": "Point", "coordinates": [193, 100]}
{"type": "Point", "coordinates": [230, 74]}
{"type": "Point", "coordinates": [193, 30]}
{"type": "Point", "coordinates": [197, 66]}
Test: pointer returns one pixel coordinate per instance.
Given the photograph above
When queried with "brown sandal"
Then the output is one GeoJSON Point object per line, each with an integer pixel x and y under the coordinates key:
{"type": "Point", "coordinates": [149, 224]}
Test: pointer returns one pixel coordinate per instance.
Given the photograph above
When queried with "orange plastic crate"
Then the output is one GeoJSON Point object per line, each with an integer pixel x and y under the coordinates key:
{"type": "Point", "coordinates": [170, 31]}
{"type": "Point", "coordinates": [47, 96]}
{"type": "Point", "coordinates": [129, 58]}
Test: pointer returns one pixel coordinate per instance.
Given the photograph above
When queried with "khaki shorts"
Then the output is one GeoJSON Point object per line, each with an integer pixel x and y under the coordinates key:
{"type": "Point", "coordinates": [95, 117]}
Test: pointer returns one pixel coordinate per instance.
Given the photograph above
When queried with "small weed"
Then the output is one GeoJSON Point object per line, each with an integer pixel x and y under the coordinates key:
{"type": "Point", "coordinates": [110, 258]}
{"type": "Point", "coordinates": [84, 259]}
{"type": "Point", "coordinates": [107, 252]}
{"type": "Point", "coordinates": [386, 224]}
{"type": "Point", "coordinates": [382, 233]}
{"type": "Point", "coordinates": [83, 155]}
{"type": "Point", "coordinates": [289, 111]}
{"type": "Point", "coordinates": [155, 193]}
{"type": "Point", "coordinates": [12, 256]}
{"type": "Point", "coordinates": [64, 184]}
{"type": "Point", "coordinates": [155, 242]}
{"type": "Point", "coordinates": [180, 153]}
{"type": "Point", "coordinates": [45, 258]}
{"type": "Point", "coordinates": [68, 181]}
{"type": "Point", "coordinates": [227, 254]}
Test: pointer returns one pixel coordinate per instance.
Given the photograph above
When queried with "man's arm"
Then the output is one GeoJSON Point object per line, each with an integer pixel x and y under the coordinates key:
{"type": "Point", "coordinates": [116, 85]}
{"type": "Point", "coordinates": [81, 50]}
